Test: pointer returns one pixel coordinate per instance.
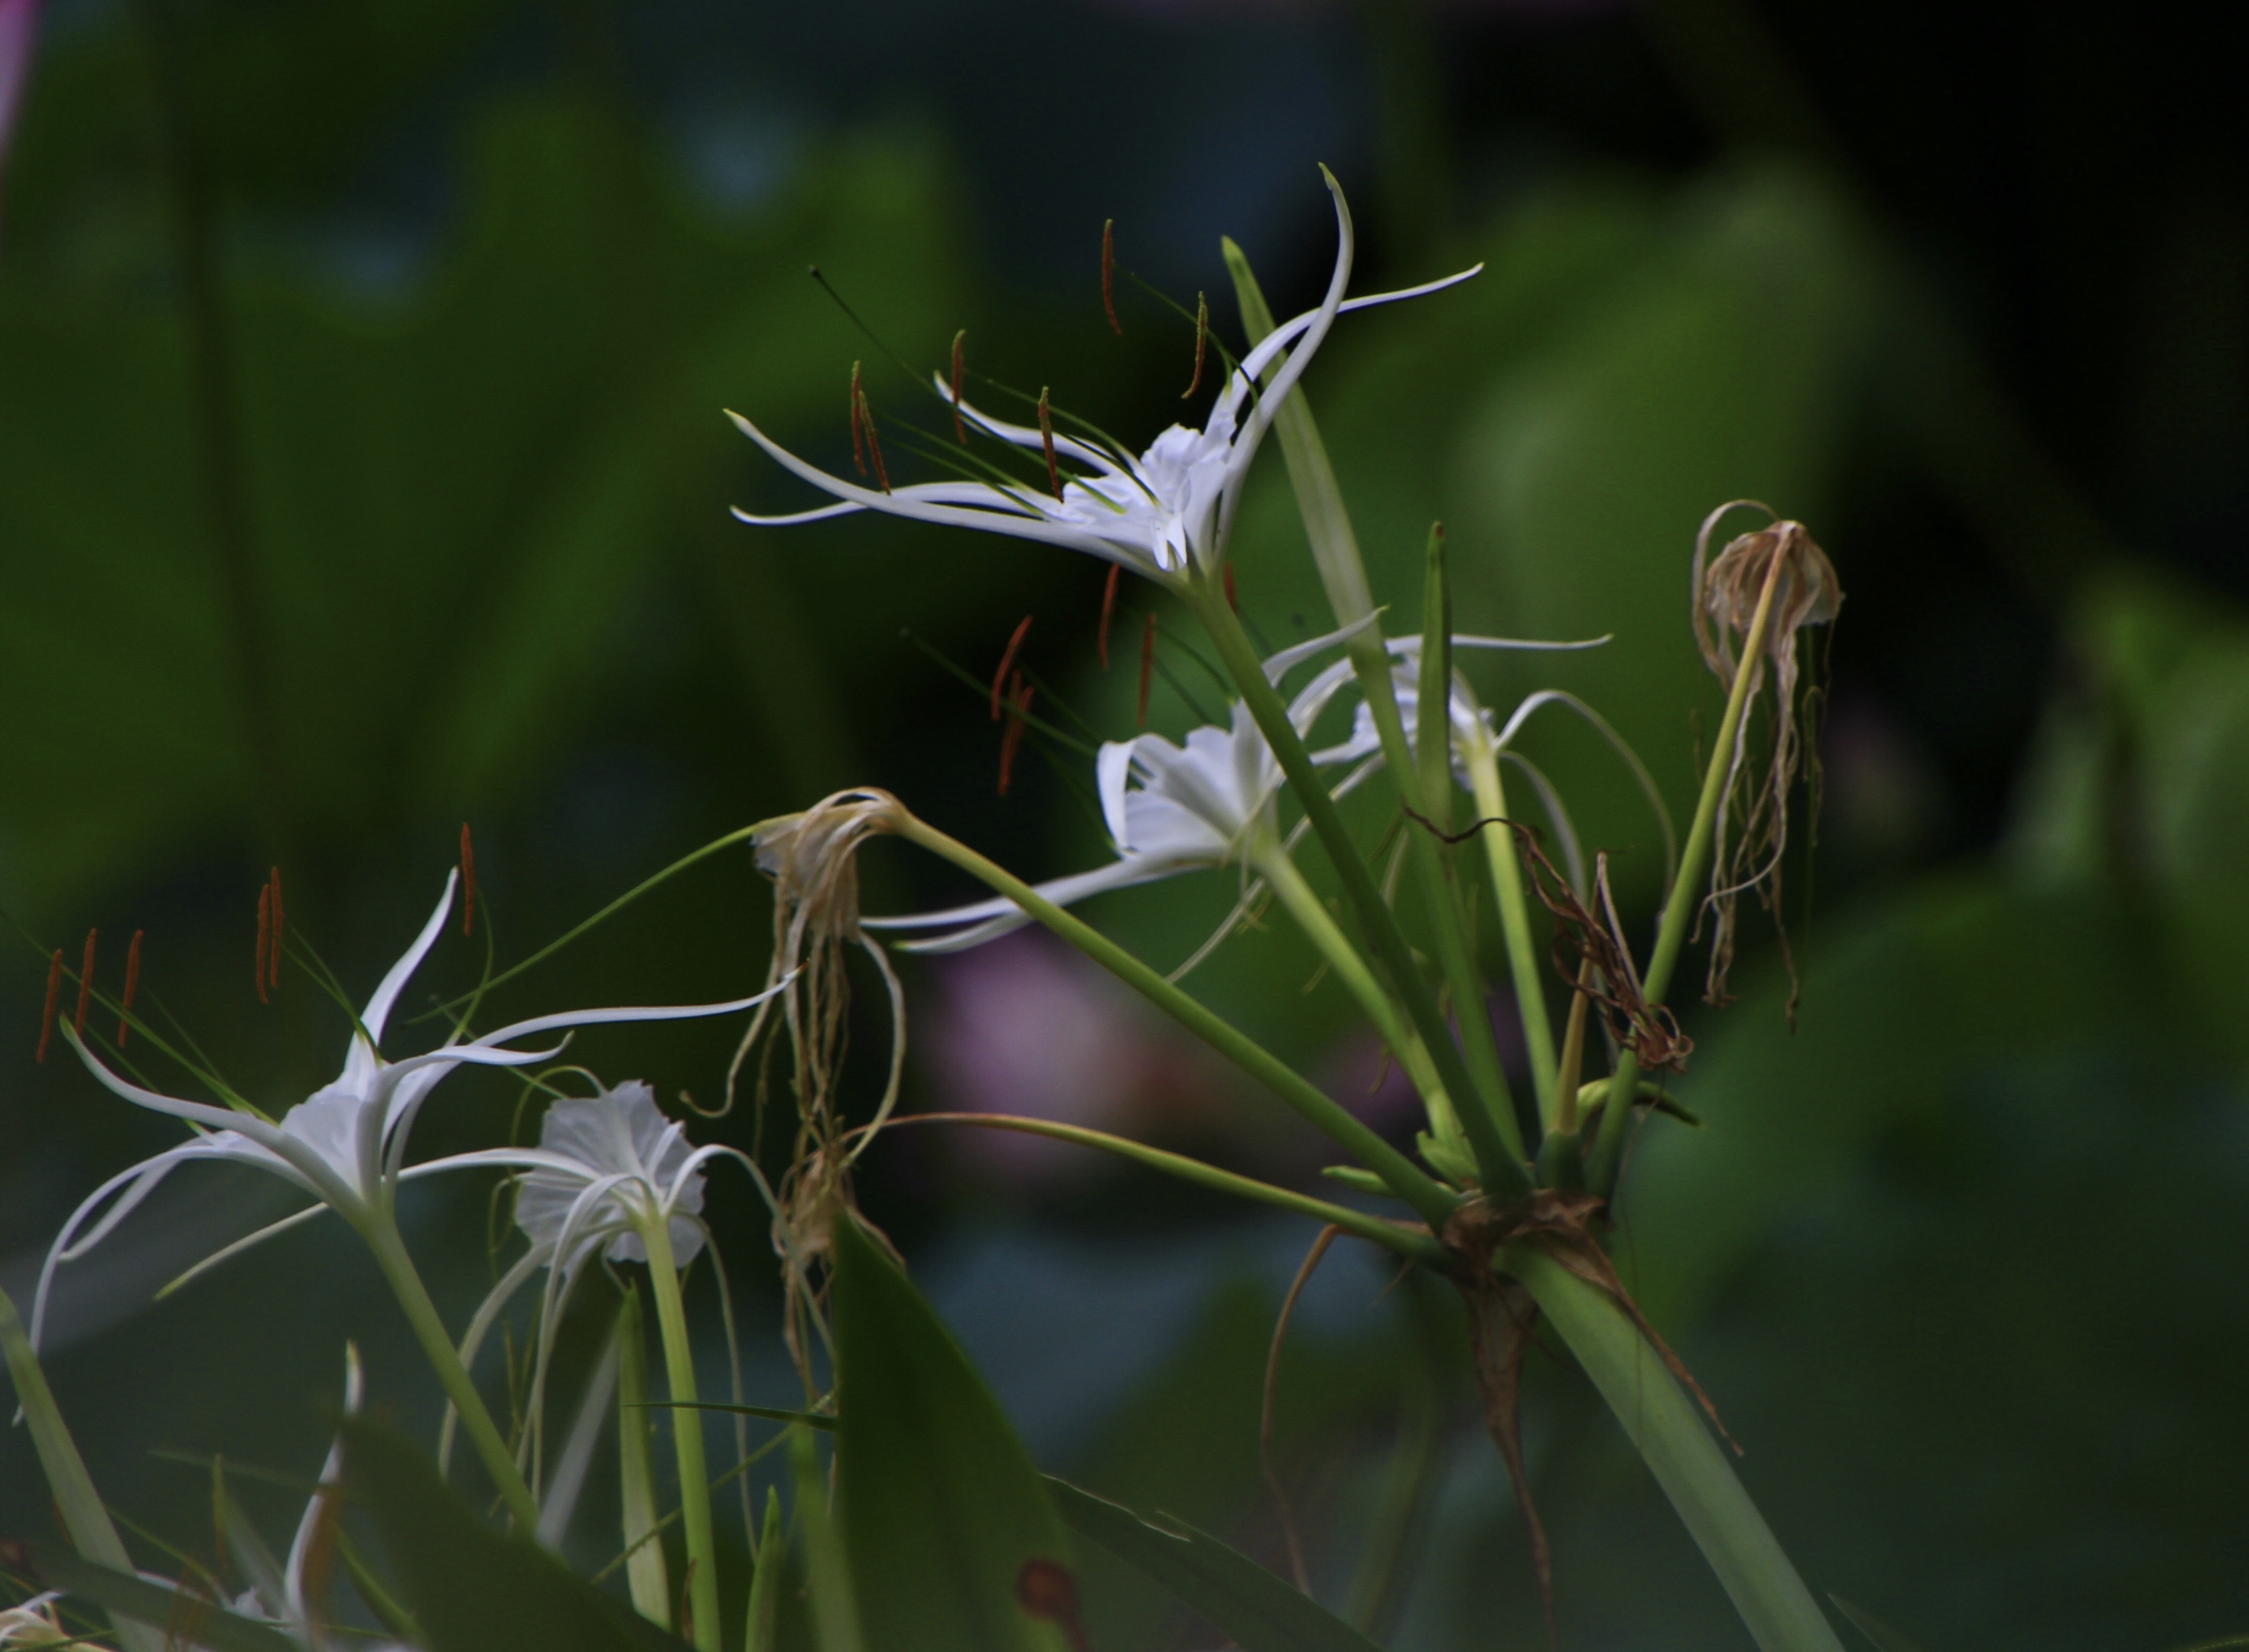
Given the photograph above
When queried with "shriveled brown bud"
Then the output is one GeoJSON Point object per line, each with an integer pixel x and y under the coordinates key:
{"type": "Point", "coordinates": [1780, 571]}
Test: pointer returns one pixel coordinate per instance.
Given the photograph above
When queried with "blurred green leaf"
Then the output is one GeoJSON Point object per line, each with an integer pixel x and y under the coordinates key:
{"type": "Point", "coordinates": [185, 1619]}
{"type": "Point", "coordinates": [941, 1508]}
{"type": "Point", "coordinates": [472, 1589]}
{"type": "Point", "coordinates": [1255, 1609]}
{"type": "Point", "coordinates": [83, 1517]}
{"type": "Point", "coordinates": [1885, 1638]}
{"type": "Point", "coordinates": [453, 502]}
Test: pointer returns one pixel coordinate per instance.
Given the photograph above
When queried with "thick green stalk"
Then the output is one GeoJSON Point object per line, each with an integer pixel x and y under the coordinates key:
{"type": "Point", "coordinates": [383, 1239]}
{"type": "Point", "coordinates": [1433, 765]}
{"type": "Point", "coordinates": [1686, 889]}
{"type": "Point", "coordinates": [1335, 947]}
{"type": "Point", "coordinates": [1514, 917]}
{"type": "Point", "coordinates": [1491, 1132]}
{"type": "Point", "coordinates": [646, 1576]}
{"type": "Point", "coordinates": [1343, 573]}
{"type": "Point", "coordinates": [1676, 1444]}
{"type": "Point", "coordinates": [686, 1434]}
{"type": "Point", "coordinates": [1431, 1202]}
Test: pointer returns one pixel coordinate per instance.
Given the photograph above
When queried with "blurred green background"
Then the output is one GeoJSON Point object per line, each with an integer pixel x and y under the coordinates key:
{"type": "Point", "coordinates": [363, 472]}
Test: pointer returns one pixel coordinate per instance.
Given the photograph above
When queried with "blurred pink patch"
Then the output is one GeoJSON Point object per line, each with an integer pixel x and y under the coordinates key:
{"type": "Point", "coordinates": [1025, 1025]}
{"type": "Point", "coordinates": [19, 22]}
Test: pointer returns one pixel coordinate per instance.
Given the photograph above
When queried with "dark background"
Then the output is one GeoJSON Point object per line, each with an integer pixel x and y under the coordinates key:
{"type": "Point", "coordinates": [362, 471]}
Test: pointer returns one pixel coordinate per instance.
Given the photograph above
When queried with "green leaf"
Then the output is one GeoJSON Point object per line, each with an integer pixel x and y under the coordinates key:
{"type": "Point", "coordinates": [1885, 1638]}
{"type": "Point", "coordinates": [1256, 1610]}
{"type": "Point", "coordinates": [185, 1619]}
{"type": "Point", "coordinates": [940, 1505]}
{"type": "Point", "coordinates": [472, 1589]}
{"type": "Point", "coordinates": [83, 1517]}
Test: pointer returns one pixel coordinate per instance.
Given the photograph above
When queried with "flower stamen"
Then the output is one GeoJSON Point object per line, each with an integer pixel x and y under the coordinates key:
{"type": "Point", "coordinates": [468, 882]}
{"type": "Point", "coordinates": [858, 443]}
{"type": "Point", "coordinates": [1007, 661]}
{"type": "Point", "coordinates": [1108, 276]}
{"type": "Point", "coordinates": [1019, 704]}
{"type": "Point", "coordinates": [264, 937]}
{"type": "Point", "coordinates": [84, 985]}
{"type": "Point", "coordinates": [1202, 344]}
{"type": "Point", "coordinates": [874, 442]}
{"type": "Point", "coordinates": [1147, 672]}
{"type": "Point", "coordinates": [274, 958]}
{"type": "Point", "coordinates": [132, 984]}
{"type": "Point", "coordinates": [1233, 601]}
{"type": "Point", "coordinates": [54, 992]}
{"type": "Point", "coordinates": [959, 366]}
{"type": "Point", "coordinates": [1108, 610]}
{"type": "Point", "coordinates": [1046, 436]}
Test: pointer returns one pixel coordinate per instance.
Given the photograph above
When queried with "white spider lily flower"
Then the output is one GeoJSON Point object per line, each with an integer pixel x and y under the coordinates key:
{"type": "Point", "coordinates": [1206, 802]}
{"type": "Point", "coordinates": [610, 1166]}
{"type": "Point", "coordinates": [34, 1623]}
{"type": "Point", "coordinates": [346, 1143]}
{"type": "Point", "coordinates": [1164, 514]}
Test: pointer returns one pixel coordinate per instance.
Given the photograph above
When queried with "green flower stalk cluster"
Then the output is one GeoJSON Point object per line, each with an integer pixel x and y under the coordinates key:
{"type": "Point", "coordinates": [1505, 1198]}
{"type": "Point", "coordinates": [1515, 1222]}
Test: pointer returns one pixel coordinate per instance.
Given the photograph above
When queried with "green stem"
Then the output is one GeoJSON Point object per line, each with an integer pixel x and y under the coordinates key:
{"type": "Point", "coordinates": [383, 1239]}
{"type": "Point", "coordinates": [1514, 918]}
{"type": "Point", "coordinates": [1492, 1134]}
{"type": "Point", "coordinates": [1676, 1444]}
{"type": "Point", "coordinates": [647, 1576]}
{"type": "Point", "coordinates": [1410, 1243]}
{"type": "Point", "coordinates": [1326, 934]}
{"type": "Point", "coordinates": [1685, 889]}
{"type": "Point", "coordinates": [686, 1434]}
{"type": "Point", "coordinates": [1430, 1201]}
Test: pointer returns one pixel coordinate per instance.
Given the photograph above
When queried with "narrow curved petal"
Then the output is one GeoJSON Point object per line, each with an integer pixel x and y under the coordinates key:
{"type": "Point", "coordinates": [1024, 435]}
{"type": "Point", "coordinates": [385, 995]}
{"type": "Point", "coordinates": [992, 919]}
{"type": "Point", "coordinates": [1289, 658]}
{"type": "Point", "coordinates": [820, 514]}
{"type": "Point", "coordinates": [1021, 525]}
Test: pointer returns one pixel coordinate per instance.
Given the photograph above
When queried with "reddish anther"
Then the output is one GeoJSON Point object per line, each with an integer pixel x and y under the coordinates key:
{"type": "Point", "coordinates": [54, 992]}
{"type": "Point", "coordinates": [1019, 706]}
{"type": "Point", "coordinates": [84, 985]}
{"type": "Point", "coordinates": [264, 936]}
{"type": "Point", "coordinates": [1202, 344]}
{"type": "Point", "coordinates": [959, 366]}
{"type": "Point", "coordinates": [1007, 660]}
{"type": "Point", "coordinates": [1108, 276]}
{"type": "Point", "coordinates": [131, 984]}
{"type": "Point", "coordinates": [274, 958]}
{"type": "Point", "coordinates": [1147, 671]}
{"type": "Point", "coordinates": [468, 882]}
{"type": "Point", "coordinates": [1232, 600]}
{"type": "Point", "coordinates": [1108, 609]}
{"type": "Point", "coordinates": [874, 444]}
{"type": "Point", "coordinates": [1046, 435]}
{"type": "Point", "coordinates": [858, 443]}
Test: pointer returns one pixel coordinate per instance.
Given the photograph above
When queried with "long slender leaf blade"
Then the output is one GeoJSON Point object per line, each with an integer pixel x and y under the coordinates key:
{"type": "Point", "coordinates": [470, 1588]}
{"type": "Point", "coordinates": [180, 1620]}
{"type": "Point", "coordinates": [941, 1508]}
{"type": "Point", "coordinates": [84, 1517]}
{"type": "Point", "coordinates": [1256, 1610]}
